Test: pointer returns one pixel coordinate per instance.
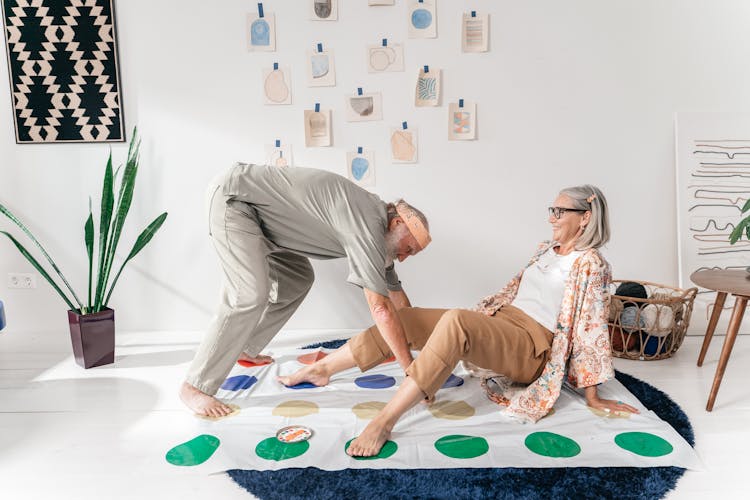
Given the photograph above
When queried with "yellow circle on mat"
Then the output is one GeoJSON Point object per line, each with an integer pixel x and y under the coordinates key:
{"type": "Point", "coordinates": [452, 410]}
{"type": "Point", "coordinates": [295, 408]}
{"type": "Point", "coordinates": [235, 410]}
{"type": "Point", "coordinates": [368, 410]}
{"type": "Point", "coordinates": [610, 414]}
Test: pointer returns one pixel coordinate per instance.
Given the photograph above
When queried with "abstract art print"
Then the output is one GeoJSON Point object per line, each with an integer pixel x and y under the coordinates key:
{"type": "Point", "coordinates": [317, 127]}
{"type": "Point", "coordinates": [261, 32]}
{"type": "Point", "coordinates": [321, 70]}
{"type": "Point", "coordinates": [279, 155]}
{"type": "Point", "coordinates": [360, 167]}
{"type": "Point", "coordinates": [324, 10]}
{"type": "Point", "coordinates": [475, 32]}
{"type": "Point", "coordinates": [403, 145]}
{"type": "Point", "coordinates": [422, 19]}
{"type": "Point", "coordinates": [427, 92]}
{"type": "Point", "coordinates": [64, 71]}
{"type": "Point", "coordinates": [385, 58]}
{"type": "Point", "coordinates": [462, 121]}
{"type": "Point", "coordinates": [277, 87]}
{"type": "Point", "coordinates": [363, 107]}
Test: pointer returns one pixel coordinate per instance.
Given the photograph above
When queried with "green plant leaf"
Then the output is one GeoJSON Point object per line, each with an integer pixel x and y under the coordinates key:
{"type": "Point", "coordinates": [41, 270]}
{"type": "Point", "coordinates": [140, 242]}
{"type": "Point", "coordinates": [736, 233]}
{"type": "Point", "coordinates": [746, 206]}
{"type": "Point", "coordinates": [105, 220]}
{"type": "Point", "coordinates": [18, 223]}
{"type": "Point", "coordinates": [89, 236]}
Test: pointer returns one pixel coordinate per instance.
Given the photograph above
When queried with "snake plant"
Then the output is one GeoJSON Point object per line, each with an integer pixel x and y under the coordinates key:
{"type": "Point", "coordinates": [112, 217]}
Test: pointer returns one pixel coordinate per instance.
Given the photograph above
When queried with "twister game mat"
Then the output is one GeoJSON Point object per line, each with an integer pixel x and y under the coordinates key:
{"type": "Point", "coordinates": [461, 429]}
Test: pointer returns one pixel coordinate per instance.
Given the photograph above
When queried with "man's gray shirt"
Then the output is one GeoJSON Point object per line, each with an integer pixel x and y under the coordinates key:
{"type": "Point", "coordinates": [320, 215]}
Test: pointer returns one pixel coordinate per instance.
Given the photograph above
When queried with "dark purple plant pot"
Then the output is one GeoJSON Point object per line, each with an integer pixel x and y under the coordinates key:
{"type": "Point", "coordinates": [93, 337]}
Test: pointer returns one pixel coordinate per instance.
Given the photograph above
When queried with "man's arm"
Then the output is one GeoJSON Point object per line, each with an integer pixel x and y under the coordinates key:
{"type": "Point", "coordinates": [399, 299]}
{"type": "Point", "coordinates": [389, 325]}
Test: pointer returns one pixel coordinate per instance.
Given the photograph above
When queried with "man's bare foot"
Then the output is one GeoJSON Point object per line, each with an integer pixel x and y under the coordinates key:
{"type": "Point", "coordinates": [201, 403]}
{"type": "Point", "coordinates": [315, 374]}
{"type": "Point", "coordinates": [260, 359]}
{"type": "Point", "coordinates": [372, 439]}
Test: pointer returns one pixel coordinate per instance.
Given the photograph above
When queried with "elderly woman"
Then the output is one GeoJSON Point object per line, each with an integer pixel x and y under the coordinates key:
{"type": "Point", "coordinates": [551, 319]}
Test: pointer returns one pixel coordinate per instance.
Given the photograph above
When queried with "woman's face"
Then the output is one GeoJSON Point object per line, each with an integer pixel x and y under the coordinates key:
{"type": "Point", "coordinates": [568, 227]}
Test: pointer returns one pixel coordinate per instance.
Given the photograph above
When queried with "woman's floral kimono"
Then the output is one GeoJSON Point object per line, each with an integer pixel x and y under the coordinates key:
{"type": "Point", "coordinates": [581, 339]}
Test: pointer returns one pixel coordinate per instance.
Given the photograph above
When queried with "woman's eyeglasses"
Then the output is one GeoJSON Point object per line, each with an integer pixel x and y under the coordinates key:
{"type": "Point", "coordinates": [560, 211]}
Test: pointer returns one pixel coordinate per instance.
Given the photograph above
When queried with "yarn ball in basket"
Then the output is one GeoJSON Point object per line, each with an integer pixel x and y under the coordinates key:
{"type": "Point", "coordinates": [657, 319]}
{"type": "Point", "coordinates": [631, 289]}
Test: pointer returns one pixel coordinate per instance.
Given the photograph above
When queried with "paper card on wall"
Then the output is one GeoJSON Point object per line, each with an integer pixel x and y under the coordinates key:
{"type": "Point", "coordinates": [427, 92]}
{"type": "Point", "coordinates": [277, 87]}
{"type": "Point", "coordinates": [475, 32]}
{"type": "Point", "coordinates": [261, 32]}
{"type": "Point", "coordinates": [321, 70]}
{"type": "Point", "coordinates": [462, 121]}
{"type": "Point", "coordinates": [404, 145]}
{"type": "Point", "coordinates": [324, 10]}
{"type": "Point", "coordinates": [365, 107]}
{"type": "Point", "coordinates": [317, 128]}
{"type": "Point", "coordinates": [422, 19]}
{"type": "Point", "coordinates": [360, 167]}
{"type": "Point", "coordinates": [382, 59]}
{"type": "Point", "coordinates": [279, 156]}
{"type": "Point", "coordinates": [380, 2]}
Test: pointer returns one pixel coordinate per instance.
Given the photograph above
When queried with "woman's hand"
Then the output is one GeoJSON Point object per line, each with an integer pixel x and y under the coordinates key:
{"type": "Point", "coordinates": [610, 406]}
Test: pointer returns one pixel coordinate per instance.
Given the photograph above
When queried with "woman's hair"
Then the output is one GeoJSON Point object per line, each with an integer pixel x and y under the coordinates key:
{"type": "Point", "coordinates": [596, 232]}
{"type": "Point", "coordinates": [391, 208]}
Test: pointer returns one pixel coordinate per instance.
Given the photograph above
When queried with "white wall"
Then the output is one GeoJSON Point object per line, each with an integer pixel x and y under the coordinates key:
{"type": "Point", "coordinates": [581, 91]}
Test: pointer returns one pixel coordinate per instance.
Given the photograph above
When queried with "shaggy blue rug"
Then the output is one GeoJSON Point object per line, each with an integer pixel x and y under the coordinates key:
{"type": "Point", "coordinates": [510, 483]}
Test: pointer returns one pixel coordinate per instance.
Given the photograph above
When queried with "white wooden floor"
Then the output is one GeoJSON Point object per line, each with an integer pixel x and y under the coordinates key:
{"type": "Point", "coordinates": [69, 433]}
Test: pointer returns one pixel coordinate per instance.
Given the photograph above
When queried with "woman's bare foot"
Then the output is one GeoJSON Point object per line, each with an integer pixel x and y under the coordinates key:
{"type": "Point", "coordinates": [372, 439]}
{"type": "Point", "coordinates": [315, 373]}
{"type": "Point", "coordinates": [260, 359]}
{"type": "Point", "coordinates": [201, 403]}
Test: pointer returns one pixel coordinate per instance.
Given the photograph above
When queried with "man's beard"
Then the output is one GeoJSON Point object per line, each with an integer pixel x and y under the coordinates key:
{"type": "Point", "coordinates": [392, 241]}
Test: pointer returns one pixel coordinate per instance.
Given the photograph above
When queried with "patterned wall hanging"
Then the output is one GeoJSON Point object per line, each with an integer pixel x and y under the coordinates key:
{"type": "Point", "coordinates": [64, 75]}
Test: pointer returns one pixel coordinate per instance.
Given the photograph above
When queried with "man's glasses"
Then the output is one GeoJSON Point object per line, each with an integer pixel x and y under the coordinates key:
{"type": "Point", "coordinates": [560, 211]}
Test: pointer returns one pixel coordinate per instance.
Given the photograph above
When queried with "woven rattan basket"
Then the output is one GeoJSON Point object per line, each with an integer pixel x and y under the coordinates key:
{"type": "Point", "coordinates": [654, 327]}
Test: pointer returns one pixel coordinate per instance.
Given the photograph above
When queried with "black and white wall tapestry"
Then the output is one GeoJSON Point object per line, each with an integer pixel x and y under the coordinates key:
{"type": "Point", "coordinates": [64, 75]}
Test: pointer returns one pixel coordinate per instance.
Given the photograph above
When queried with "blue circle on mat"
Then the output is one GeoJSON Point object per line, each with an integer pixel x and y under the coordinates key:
{"type": "Point", "coordinates": [375, 381]}
{"type": "Point", "coordinates": [453, 381]}
{"type": "Point", "coordinates": [303, 385]}
{"type": "Point", "coordinates": [239, 382]}
{"type": "Point", "coordinates": [421, 18]}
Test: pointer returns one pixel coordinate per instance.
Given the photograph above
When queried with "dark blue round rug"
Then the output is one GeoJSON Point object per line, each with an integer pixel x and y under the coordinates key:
{"type": "Point", "coordinates": [510, 483]}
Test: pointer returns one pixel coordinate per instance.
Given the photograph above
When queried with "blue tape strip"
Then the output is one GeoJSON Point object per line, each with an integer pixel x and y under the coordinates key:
{"type": "Point", "coordinates": [320, 47]}
{"type": "Point", "coordinates": [2, 315]}
{"type": "Point", "coordinates": [359, 90]}
{"type": "Point", "coordinates": [317, 107]}
{"type": "Point", "coordinates": [275, 66]}
{"type": "Point", "coordinates": [359, 150]}
{"type": "Point", "coordinates": [426, 69]}
{"type": "Point", "coordinates": [260, 10]}
{"type": "Point", "coordinates": [460, 103]}
{"type": "Point", "coordinates": [473, 13]}
{"type": "Point", "coordinates": [385, 42]}
{"type": "Point", "coordinates": [403, 125]}
{"type": "Point", "coordinates": [278, 143]}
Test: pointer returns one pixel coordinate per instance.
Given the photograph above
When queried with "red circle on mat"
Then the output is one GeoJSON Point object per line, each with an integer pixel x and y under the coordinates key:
{"type": "Point", "coordinates": [248, 364]}
{"type": "Point", "coordinates": [308, 359]}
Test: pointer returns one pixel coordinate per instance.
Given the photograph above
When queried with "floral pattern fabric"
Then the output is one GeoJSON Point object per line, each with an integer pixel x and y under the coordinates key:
{"type": "Point", "coordinates": [581, 339]}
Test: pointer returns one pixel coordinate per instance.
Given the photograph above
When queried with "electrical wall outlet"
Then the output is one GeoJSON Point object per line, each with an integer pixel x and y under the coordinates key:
{"type": "Point", "coordinates": [21, 280]}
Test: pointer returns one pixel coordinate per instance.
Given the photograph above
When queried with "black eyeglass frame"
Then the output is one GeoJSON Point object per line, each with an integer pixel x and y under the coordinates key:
{"type": "Point", "coordinates": [558, 212]}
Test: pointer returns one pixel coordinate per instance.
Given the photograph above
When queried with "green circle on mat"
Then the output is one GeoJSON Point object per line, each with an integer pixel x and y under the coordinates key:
{"type": "Point", "coordinates": [643, 444]}
{"type": "Point", "coordinates": [193, 452]}
{"type": "Point", "coordinates": [549, 444]}
{"type": "Point", "coordinates": [388, 449]}
{"type": "Point", "coordinates": [273, 449]}
{"type": "Point", "coordinates": [458, 446]}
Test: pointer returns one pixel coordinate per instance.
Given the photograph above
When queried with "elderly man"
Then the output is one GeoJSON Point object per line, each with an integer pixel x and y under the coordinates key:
{"type": "Point", "coordinates": [265, 223]}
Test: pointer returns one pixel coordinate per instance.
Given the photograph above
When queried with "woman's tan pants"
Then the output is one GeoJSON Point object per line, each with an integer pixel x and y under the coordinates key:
{"type": "Point", "coordinates": [510, 342]}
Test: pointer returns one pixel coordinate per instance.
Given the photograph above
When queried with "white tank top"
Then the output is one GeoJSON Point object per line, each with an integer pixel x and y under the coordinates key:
{"type": "Point", "coordinates": [542, 286]}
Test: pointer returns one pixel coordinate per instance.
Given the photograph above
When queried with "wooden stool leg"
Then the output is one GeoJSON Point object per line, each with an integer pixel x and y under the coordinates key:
{"type": "Point", "coordinates": [718, 306]}
{"type": "Point", "coordinates": [726, 350]}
